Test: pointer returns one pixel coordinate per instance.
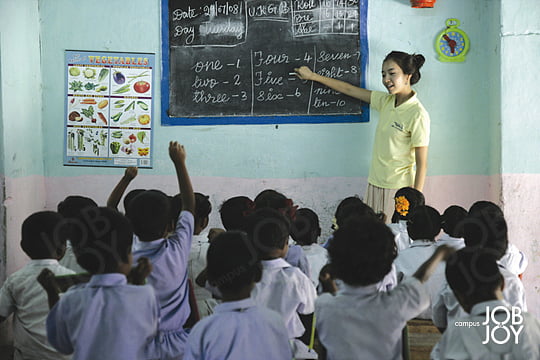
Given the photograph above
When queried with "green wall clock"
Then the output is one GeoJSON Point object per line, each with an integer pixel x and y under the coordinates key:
{"type": "Point", "coordinates": [452, 44]}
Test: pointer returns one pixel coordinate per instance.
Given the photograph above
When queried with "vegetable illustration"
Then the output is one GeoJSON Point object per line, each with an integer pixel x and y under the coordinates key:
{"type": "Point", "coordinates": [143, 151]}
{"type": "Point", "coordinates": [102, 104]}
{"type": "Point", "coordinates": [76, 85]}
{"type": "Point", "coordinates": [128, 120]}
{"type": "Point", "coordinates": [115, 147]}
{"type": "Point", "coordinates": [88, 101]}
{"type": "Point", "coordinates": [119, 78]}
{"type": "Point", "coordinates": [122, 90]}
{"type": "Point", "coordinates": [144, 73]}
{"type": "Point", "coordinates": [74, 71]}
{"type": "Point", "coordinates": [131, 106]}
{"type": "Point", "coordinates": [89, 73]}
{"type": "Point", "coordinates": [141, 135]}
{"type": "Point", "coordinates": [88, 112]}
{"type": "Point", "coordinates": [80, 140]}
{"type": "Point", "coordinates": [103, 74]}
{"type": "Point", "coordinates": [144, 119]}
{"type": "Point", "coordinates": [71, 141]}
{"type": "Point", "coordinates": [101, 88]}
{"type": "Point", "coordinates": [116, 134]}
{"type": "Point", "coordinates": [132, 138]}
{"type": "Point", "coordinates": [90, 86]}
{"type": "Point", "coordinates": [116, 117]}
{"type": "Point", "coordinates": [74, 116]}
{"type": "Point", "coordinates": [141, 86]}
{"type": "Point", "coordinates": [102, 117]}
{"type": "Point", "coordinates": [142, 105]}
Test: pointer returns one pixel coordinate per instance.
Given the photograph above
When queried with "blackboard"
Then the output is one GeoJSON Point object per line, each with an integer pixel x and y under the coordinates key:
{"type": "Point", "coordinates": [227, 62]}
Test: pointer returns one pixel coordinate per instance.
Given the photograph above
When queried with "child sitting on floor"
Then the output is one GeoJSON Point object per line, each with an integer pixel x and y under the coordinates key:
{"type": "Point", "coordinates": [452, 221]}
{"type": "Point", "coordinates": [305, 232]}
{"type": "Point", "coordinates": [149, 213]}
{"type": "Point", "coordinates": [238, 329]}
{"type": "Point", "coordinates": [361, 322]}
{"type": "Point", "coordinates": [44, 242]}
{"type": "Point", "coordinates": [283, 287]}
{"type": "Point", "coordinates": [424, 224]}
{"type": "Point", "coordinates": [105, 318]}
{"type": "Point", "coordinates": [477, 283]}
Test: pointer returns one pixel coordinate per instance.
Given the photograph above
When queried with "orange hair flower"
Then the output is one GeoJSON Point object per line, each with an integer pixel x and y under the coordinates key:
{"type": "Point", "coordinates": [402, 205]}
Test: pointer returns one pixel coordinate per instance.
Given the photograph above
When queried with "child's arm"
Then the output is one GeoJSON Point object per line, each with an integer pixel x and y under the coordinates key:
{"type": "Point", "coordinates": [178, 157]}
{"type": "Point", "coordinates": [48, 282]}
{"type": "Point", "coordinates": [138, 274]}
{"type": "Point", "coordinates": [426, 269]}
{"type": "Point", "coordinates": [120, 188]}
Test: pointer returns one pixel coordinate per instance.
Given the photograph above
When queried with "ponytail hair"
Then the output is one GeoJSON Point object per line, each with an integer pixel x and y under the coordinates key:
{"type": "Point", "coordinates": [409, 63]}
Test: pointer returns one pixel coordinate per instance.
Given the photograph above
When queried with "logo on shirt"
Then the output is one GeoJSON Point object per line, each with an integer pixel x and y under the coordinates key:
{"type": "Point", "coordinates": [397, 125]}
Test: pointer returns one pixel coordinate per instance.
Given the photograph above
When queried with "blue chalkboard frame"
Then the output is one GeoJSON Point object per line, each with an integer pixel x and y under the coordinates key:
{"type": "Point", "coordinates": [167, 120]}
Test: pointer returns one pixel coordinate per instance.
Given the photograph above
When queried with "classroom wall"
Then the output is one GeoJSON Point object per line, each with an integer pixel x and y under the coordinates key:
{"type": "Point", "coordinates": [520, 48]}
{"type": "Point", "coordinates": [315, 164]}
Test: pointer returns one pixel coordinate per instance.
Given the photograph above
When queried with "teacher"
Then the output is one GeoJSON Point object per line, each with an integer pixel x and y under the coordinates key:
{"type": "Point", "coordinates": [400, 148]}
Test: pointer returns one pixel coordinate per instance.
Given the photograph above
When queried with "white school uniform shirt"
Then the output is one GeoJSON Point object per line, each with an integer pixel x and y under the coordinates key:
{"type": "Point", "coordinates": [317, 257]}
{"type": "Point", "coordinates": [514, 260]}
{"type": "Point", "coordinates": [24, 297]}
{"type": "Point", "coordinates": [239, 330]}
{"type": "Point", "coordinates": [196, 264]}
{"type": "Point", "coordinates": [70, 261]}
{"type": "Point", "coordinates": [464, 343]}
{"type": "Point", "coordinates": [105, 319]}
{"type": "Point", "coordinates": [409, 260]}
{"type": "Point", "coordinates": [401, 235]}
{"type": "Point", "coordinates": [361, 322]}
{"type": "Point", "coordinates": [286, 290]}
{"type": "Point", "coordinates": [296, 257]}
{"type": "Point", "coordinates": [455, 243]}
{"type": "Point", "coordinates": [447, 309]}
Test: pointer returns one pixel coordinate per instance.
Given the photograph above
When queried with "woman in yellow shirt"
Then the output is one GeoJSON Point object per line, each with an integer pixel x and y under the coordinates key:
{"type": "Point", "coordinates": [400, 148]}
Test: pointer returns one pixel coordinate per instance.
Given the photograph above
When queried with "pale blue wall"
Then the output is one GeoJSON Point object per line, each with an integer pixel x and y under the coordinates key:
{"type": "Point", "coordinates": [458, 96]}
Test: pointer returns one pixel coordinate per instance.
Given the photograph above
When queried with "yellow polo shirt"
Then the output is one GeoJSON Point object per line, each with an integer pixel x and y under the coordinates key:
{"type": "Point", "coordinates": [399, 131]}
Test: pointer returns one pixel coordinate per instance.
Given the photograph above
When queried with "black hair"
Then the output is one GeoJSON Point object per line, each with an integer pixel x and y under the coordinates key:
{"type": "Point", "coordinates": [406, 199]}
{"type": "Point", "coordinates": [72, 205]}
{"type": "Point", "coordinates": [268, 230]}
{"type": "Point", "coordinates": [485, 227]}
{"type": "Point", "coordinates": [43, 235]}
{"type": "Point", "coordinates": [149, 212]}
{"type": "Point", "coordinates": [362, 251]}
{"type": "Point", "coordinates": [424, 223]}
{"type": "Point", "coordinates": [176, 208]}
{"type": "Point", "coordinates": [452, 220]}
{"type": "Point", "coordinates": [354, 209]}
{"type": "Point", "coordinates": [232, 262]}
{"type": "Point", "coordinates": [305, 229]}
{"type": "Point", "coordinates": [203, 207]}
{"type": "Point", "coordinates": [130, 196]}
{"type": "Point", "coordinates": [103, 240]}
{"type": "Point", "coordinates": [473, 274]}
{"type": "Point", "coordinates": [233, 212]}
{"type": "Point", "coordinates": [275, 200]}
{"type": "Point", "coordinates": [409, 63]}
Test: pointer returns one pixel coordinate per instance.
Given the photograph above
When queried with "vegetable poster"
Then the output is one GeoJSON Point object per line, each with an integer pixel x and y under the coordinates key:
{"type": "Point", "coordinates": [108, 106]}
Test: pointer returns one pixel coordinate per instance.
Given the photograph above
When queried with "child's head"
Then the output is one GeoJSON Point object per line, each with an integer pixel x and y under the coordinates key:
{"type": "Point", "coordinates": [150, 213]}
{"type": "Point", "coordinates": [424, 223]}
{"type": "Point", "coordinates": [103, 241]}
{"type": "Point", "coordinates": [268, 230]}
{"type": "Point", "coordinates": [452, 221]}
{"type": "Point", "coordinates": [43, 235]}
{"type": "Point", "coordinates": [353, 207]}
{"type": "Point", "coordinates": [406, 200]}
{"type": "Point", "coordinates": [485, 227]}
{"type": "Point", "coordinates": [362, 251]}
{"type": "Point", "coordinates": [234, 211]}
{"type": "Point", "coordinates": [410, 64]}
{"type": "Point", "coordinates": [232, 263]}
{"type": "Point", "coordinates": [71, 206]}
{"type": "Point", "coordinates": [305, 229]}
{"type": "Point", "coordinates": [474, 277]}
{"type": "Point", "coordinates": [203, 208]}
{"type": "Point", "coordinates": [276, 200]}
{"type": "Point", "coordinates": [130, 196]}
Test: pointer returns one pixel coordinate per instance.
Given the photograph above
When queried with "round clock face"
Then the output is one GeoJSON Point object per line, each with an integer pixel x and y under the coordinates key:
{"type": "Point", "coordinates": [452, 43]}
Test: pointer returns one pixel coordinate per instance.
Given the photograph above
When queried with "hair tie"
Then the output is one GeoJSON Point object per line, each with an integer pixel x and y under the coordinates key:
{"type": "Point", "coordinates": [402, 205]}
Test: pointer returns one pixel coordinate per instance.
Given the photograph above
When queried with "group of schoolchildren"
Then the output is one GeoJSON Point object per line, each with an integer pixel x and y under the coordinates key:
{"type": "Point", "coordinates": [148, 285]}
